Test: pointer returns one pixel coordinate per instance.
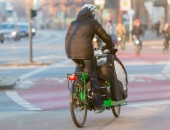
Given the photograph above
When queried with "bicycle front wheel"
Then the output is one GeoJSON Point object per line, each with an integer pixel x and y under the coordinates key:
{"type": "Point", "coordinates": [78, 109]}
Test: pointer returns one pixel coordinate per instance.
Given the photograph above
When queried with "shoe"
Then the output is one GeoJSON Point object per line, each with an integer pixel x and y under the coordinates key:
{"type": "Point", "coordinates": [99, 109]}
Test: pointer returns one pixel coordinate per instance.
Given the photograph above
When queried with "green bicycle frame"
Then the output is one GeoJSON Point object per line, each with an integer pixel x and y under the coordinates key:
{"type": "Point", "coordinates": [83, 96]}
{"type": "Point", "coordinates": [84, 77]}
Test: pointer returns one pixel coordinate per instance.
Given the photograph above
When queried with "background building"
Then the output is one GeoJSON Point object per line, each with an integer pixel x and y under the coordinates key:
{"type": "Point", "coordinates": [58, 14]}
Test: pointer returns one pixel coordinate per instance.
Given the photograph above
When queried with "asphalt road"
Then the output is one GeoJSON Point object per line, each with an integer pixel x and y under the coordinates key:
{"type": "Point", "coordinates": [152, 117]}
{"type": "Point", "coordinates": [48, 47]}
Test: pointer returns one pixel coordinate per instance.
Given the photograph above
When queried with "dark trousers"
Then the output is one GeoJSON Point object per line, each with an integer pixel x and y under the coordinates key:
{"type": "Point", "coordinates": [89, 66]}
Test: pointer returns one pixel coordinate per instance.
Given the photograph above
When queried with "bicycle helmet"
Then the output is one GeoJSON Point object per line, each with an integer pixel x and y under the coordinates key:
{"type": "Point", "coordinates": [89, 7]}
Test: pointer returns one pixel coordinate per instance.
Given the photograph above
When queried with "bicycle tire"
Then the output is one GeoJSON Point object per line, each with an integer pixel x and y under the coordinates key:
{"type": "Point", "coordinates": [116, 111]}
{"type": "Point", "coordinates": [75, 106]}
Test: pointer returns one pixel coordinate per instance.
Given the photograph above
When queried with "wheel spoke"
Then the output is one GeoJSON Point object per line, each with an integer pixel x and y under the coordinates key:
{"type": "Point", "coordinates": [78, 112]}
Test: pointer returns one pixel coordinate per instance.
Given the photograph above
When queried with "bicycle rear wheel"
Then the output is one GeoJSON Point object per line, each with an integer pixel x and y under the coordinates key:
{"type": "Point", "coordinates": [116, 111]}
{"type": "Point", "coordinates": [77, 108]}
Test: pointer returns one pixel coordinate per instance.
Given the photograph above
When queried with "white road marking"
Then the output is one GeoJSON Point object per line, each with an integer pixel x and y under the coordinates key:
{"type": "Point", "coordinates": [25, 76]}
{"type": "Point", "coordinates": [49, 57]}
{"type": "Point", "coordinates": [147, 104]}
{"type": "Point", "coordinates": [20, 101]}
{"type": "Point", "coordinates": [166, 68]}
{"type": "Point", "coordinates": [133, 77]}
{"type": "Point", "coordinates": [146, 108]}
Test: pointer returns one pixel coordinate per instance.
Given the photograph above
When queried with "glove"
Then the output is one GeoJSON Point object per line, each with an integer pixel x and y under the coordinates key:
{"type": "Point", "coordinates": [113, 50]}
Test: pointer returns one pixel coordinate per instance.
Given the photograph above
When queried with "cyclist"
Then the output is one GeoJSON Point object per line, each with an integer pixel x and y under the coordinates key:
{"type": "Point", "coordinates": [121, 32]}
{"type": "Point", "coordinates": [79, 47]}
{"type": "Point", "coordinates": [137, 30]}
{"type": "Point", "coordinates": [166, 34]}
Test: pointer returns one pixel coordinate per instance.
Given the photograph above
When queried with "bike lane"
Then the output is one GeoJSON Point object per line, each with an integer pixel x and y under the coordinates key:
{"type": "Point", "coordinates": [53, 93]}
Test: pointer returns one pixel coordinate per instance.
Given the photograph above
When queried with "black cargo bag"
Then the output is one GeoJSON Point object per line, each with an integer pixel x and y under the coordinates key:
{"type": "Point", "coordinates": [114, 72]}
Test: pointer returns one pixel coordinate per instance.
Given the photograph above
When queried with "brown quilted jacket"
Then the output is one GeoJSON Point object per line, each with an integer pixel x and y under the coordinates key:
{"type": "Point", "coordinates": [78, 41]}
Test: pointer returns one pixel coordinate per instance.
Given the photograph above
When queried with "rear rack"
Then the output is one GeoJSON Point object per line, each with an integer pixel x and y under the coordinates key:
{"type": "Point", "coordinates": [77, 73]}
{"type": "Point", "coordinates": [80, 75]}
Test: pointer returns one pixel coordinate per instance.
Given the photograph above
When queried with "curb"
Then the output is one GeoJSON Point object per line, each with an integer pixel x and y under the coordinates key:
{"type": "Point", "coordinates": [7, 82]}
{"type": "Point", "coordinates": [24, 64]}
{"type": "Point", "coordinates": [10, 82]}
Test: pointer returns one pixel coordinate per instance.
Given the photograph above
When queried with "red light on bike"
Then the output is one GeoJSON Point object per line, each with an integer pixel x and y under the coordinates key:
{"type": "Point", "coordinates": [72, 77]}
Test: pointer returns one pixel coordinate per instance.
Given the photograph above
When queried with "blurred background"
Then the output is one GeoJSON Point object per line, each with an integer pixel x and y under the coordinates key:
{"type": "Point", "coordinates": [57, 14]}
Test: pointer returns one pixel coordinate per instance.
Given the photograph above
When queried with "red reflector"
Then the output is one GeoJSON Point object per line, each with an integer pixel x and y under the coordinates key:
{"type": "Point", "coordinates": [72, 77]}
